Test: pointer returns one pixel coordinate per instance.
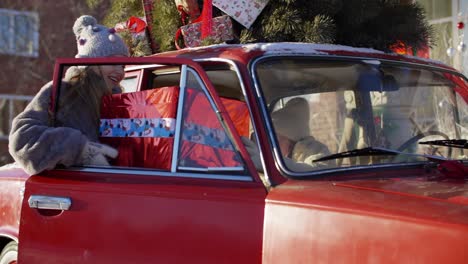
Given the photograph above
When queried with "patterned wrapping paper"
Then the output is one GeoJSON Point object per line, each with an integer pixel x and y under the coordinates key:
{"type": "Point", "coordinates": [137, 127]}
{"type": "Point", "coordinates": [243, 11]}
{"type": "Point", "coordinates": [141, 126]}
{"type": "Point", "coordinates": [221, 31]}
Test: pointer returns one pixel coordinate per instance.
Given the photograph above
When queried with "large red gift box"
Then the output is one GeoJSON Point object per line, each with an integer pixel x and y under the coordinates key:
{"type": "Point", "coordinates": [204, 141]}
{"type": "Point", "coordinates": [141, 126]}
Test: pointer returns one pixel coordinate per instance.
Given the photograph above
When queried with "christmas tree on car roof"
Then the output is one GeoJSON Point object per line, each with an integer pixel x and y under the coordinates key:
{"type": "Point", "coordinates": [386, 25]}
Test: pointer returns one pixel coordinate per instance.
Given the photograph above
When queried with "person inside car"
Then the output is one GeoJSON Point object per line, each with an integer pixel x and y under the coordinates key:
{"type": "Point", "coordinates": [298, 147]}
{"type": "Point", "coordinates": [40, 140]}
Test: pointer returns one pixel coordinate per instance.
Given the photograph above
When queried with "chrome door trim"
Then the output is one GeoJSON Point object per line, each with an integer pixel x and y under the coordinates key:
{"type": "Point", "coordinates": [180, 116]}
{"type": "Point", "coordinates": [161, 173]}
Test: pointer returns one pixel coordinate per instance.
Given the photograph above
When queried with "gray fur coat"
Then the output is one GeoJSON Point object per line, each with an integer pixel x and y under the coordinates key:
{"type": "Point", "coordinates": [36, 146]}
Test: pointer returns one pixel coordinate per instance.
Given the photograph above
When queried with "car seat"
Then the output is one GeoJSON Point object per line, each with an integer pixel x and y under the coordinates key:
{"type": "Point", "coordinates": [292, 128]}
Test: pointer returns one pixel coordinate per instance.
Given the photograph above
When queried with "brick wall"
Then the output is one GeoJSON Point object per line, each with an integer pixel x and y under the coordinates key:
{"type": "Point", "coordinates": [26, 75]}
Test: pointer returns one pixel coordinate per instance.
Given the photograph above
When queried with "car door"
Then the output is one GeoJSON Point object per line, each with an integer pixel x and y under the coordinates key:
{"type": "Point", "coordinates": [202, 203]}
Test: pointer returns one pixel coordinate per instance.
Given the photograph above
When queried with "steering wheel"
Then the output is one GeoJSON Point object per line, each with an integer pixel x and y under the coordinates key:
{"type": "Point", "coordinates": [420, 136]}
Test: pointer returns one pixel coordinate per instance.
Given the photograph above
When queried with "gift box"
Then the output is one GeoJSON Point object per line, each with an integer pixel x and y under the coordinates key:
{"type": "Point", "coordinates": [239, 114]}
{"type": "Point", "coordinates": [221, 31]}
{"type": "Point", "coordinates": [245, 12]}
{"type": "Point", "coordinates": [204, 141]}
{"type": "Point", "coordinates": [141, 126]}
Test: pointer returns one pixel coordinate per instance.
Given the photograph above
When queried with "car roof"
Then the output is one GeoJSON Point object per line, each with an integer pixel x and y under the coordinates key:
{"type": "Point", "coordinates": [246, 52]}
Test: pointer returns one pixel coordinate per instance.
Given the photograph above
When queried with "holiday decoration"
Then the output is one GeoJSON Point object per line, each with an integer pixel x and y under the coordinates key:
{"type": "Point", "coordinates": [206, 18]}
{"type": "Point", "coordinates": [401, 48]}
{"type": "Point", "coordinates": [203, 138]}
{"type": "Point", "coordinates": [461, 47]}
{"type": "Point", "coordinates": [245, 12]}
{"type": "Point", "coordinates": [451, 52]}
{"type": "Point", "coordinates": [134, 34]}
{"type": "Point", "coordinates": [136, 25]}
{"type": "Point", "coordinates": [358, 23]}
{"type": "Point", "coordinates": [361, 23]}
{"type": "Point", "coordinates": [221, 31]}
{"type": "Point", "coordinates": [130, 122]}
{"type": "Point", "coordinates": [189, 9]}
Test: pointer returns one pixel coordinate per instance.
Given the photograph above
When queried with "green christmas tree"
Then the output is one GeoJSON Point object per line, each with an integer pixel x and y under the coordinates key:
{"type": "Point", "coordinates": [377, 24]}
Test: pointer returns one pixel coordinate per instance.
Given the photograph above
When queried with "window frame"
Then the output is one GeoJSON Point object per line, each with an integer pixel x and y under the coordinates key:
{"type": "Point", "coordinates": [209, 91]}
{"type": "Point", "coordinates": [137, 74]}
{"type": "Point", "coordinates": [180, 120]}
{"type": "Point", "coordinates": [274, 143]}
{"type": "Point", "coordinates": [11, 48]}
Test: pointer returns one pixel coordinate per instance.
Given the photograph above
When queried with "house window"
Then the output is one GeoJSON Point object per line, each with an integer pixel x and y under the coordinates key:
{"type": "Point", "coordinates": [19, 33]}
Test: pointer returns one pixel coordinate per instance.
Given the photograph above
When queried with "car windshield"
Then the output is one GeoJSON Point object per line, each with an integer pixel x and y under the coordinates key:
{"type": "Point", "coordinates": [318, 108]}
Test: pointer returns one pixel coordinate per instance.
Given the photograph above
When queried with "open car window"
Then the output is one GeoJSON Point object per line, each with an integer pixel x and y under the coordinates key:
{"type": "Point", "coordinates": [159, 118]}
{"type": "Point", "coordinates": [131, 83]}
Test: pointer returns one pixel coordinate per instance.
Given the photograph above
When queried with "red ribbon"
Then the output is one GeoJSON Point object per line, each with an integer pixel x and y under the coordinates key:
{"type": "Point", "coordinates": [207, 18]}
{"type": "Point", "coordinates": [183, 14]}
{"type": "Point", "coordinates": [135, 24]}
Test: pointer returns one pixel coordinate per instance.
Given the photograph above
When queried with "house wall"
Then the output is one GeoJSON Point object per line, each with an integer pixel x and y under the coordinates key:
{"type": "Point", "coordinates": [22, 75]}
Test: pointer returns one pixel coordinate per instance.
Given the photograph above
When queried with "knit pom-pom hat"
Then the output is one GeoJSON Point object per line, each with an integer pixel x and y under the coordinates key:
{"type": "Point", "coordinates": [94, 40]}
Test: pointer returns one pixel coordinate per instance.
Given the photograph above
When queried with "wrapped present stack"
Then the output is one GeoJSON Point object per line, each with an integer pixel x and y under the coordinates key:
{"type": "Point", "coordinates": [176, 24]}
{"type": "Point", "coordinates": [208, 27]}
{"type": "Point", "coordinates": [134, 33]}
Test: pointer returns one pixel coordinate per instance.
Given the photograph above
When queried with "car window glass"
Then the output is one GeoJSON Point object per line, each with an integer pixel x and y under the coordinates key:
{"type": "Point", "coordinates": [205, 143]}
{"type": "Point", "coordinates": [129, 84]}
{"type": "Point", "coordinates": [319, 108]}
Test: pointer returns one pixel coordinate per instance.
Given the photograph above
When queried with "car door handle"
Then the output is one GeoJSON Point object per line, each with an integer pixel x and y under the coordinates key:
{"type": "Point", "coordinates": [49, 202]}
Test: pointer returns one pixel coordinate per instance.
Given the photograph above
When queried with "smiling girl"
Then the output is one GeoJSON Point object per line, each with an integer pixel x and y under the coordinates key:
{"type": "Point", "coordinates": [35, 143]}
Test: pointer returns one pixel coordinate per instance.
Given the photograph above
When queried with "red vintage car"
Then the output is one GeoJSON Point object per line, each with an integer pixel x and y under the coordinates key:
{"type": "Point", "coordinates": [258, 153]}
